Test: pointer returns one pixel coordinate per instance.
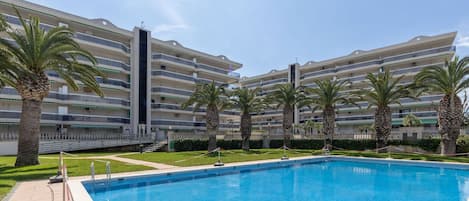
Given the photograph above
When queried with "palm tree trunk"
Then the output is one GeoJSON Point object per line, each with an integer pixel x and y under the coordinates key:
{"type": "Point", "coordinates": [287, 125]}
{"type": "Point", "coordinates": [212, 121]}
{"type": "Point", "coordinates": [32, 91]}
{"type": "Point", "coordinates": [450, 119]}
{"type": "Point", "coordinates": [328, 125]}
{"type": "Point", "coordinates": [245, 130]}
{"type": "Point", "coordinates": [28, 139]}
{"type": "Point", "coordinates": [382, 125]}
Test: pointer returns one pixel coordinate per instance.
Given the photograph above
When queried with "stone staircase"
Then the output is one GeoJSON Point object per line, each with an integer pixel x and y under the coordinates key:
{"type": "Point", "coordinates": [155, 146]}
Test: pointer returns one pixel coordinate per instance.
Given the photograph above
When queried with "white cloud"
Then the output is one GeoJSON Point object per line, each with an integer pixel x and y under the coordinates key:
{"type": "Point", "coordinates": [462, 41]}
{"type": "Point", "coordinates": [169, 27]}
{"type": "Point", "coordinates": [171, 11]}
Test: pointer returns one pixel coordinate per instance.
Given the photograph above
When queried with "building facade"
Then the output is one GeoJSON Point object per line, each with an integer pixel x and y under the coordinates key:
{"type": "Point", "coordinates": [406, 59]}
{"type": "Point", "coordinates": [147, 80]}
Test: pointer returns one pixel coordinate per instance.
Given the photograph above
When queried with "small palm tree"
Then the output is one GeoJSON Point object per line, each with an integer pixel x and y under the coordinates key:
{"type": "Point", "coordinates": [385, 90]}
{"type": "Point", "coordinates": [449, 80]}
{"type": "Point", "coordinates": [215, 99]}
{"type": "Point", "coordinates": [287, 96]}
{"type": "Point", "coordinates": [326, 96]}
{"type": "Point", "coordinates": [24, 65]}
{"type": "Point", "coordinates": [411, 120]}
{"type": "Point", "coordinates": [247, 102]}
{"type": "Point", "coordinates": [308, 126]}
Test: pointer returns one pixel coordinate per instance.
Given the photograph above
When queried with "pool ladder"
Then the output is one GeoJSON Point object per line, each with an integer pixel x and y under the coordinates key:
{"type": "Point", "coordinates": [108, 170]}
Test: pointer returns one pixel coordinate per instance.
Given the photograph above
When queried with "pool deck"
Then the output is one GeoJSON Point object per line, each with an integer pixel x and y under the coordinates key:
{"type": "Point", "coordinates": [40, 190]}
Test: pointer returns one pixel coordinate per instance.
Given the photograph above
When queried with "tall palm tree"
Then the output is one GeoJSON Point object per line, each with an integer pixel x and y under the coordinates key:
{"type": "Point", "coordinates": [326, 96]}
{"type": "Point", "coordinates": [287, 96]}
{"type": "Point", "coordinates": [214, 98]}
{"type": "Point", "coordinates": [247, 102]}
{"type": "Point", "coordinates": [385, 90]}
{"type": "Point", "coordinates": [24, 65]}
{"type": "Point", "coordinates": [449, 80]}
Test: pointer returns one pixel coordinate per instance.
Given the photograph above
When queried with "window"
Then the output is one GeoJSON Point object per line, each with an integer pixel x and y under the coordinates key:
{"type": "Point", "coordinates": [163, 67]}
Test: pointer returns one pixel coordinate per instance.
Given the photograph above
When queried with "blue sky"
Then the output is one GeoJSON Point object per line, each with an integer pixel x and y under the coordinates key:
{"type": "Point", "coordinates": [270, 34]}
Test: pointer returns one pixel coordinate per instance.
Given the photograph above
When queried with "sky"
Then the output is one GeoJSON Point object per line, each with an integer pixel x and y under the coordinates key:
{"type": "Point", "coordinates": [270, 34]}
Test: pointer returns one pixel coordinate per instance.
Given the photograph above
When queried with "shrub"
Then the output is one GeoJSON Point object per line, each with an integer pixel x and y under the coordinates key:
{"type": "Point", "coordinates": [359, 145]}
{"type": "Point", "coordinates": [462, 144]}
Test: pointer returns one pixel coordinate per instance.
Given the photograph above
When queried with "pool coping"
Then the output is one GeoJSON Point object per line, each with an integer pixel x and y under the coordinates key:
{"type": "Point", "coordinates": [78, 191]}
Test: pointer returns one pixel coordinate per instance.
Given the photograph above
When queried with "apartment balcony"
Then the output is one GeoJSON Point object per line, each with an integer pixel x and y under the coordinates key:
{"type": "Point", "coordinates": [182, 77]}
{"type": "Point", "coordinates": [75, 98]}
{"type": "Point", "coordinates": [171, 91]}
{"type": "Point", "coordinates": [426, 114]}
{"type": "Point", "coordinates": [404, 102]}
{"type": "Point", "coordinates": [80, 36]}
{"type": "Point", "coordinates": [108, 81]}
{"type": "Point", "coordinates": [193, 65]}
{"type": "Point", "coordinates": [189, 124]}
{"type": "Point", "coordinates": [105, 62]}
{"type": "Point", "coordinates": [267, 83]}
{"type": "Point", "coordinates": [174, 107]}
{"type": "Point", "coordinates": [412, 55]}
{"type": "Point", "coordinates": [14, 116]}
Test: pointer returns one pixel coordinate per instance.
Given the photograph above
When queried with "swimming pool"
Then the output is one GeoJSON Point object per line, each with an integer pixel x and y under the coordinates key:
{"type": "Point", "coordinates": [324, 178]}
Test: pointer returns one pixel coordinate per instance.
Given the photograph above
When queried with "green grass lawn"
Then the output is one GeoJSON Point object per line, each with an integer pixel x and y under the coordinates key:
{"type": "Point", "coordinates": [193, 158]}
{"type": "Point", "coordinates": [9, 175]}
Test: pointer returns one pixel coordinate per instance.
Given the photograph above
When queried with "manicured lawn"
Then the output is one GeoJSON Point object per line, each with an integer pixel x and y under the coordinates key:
{"type": "Point", "coordinates": [9, 175]}
{"type": "Point", "coordinates": [228, 156]}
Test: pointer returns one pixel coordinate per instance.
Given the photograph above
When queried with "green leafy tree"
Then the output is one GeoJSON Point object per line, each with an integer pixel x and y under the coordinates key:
{"type": "Point", "coordinates": [215, 99]}
{"type": "Point", "coordinates": [247, 102]}
{"type": "Point", "coordinates": [24, 65]}
{"type": "Point", "coordinates": [287, 97]}
{"type": "Point", "coordinates": [449, 80]}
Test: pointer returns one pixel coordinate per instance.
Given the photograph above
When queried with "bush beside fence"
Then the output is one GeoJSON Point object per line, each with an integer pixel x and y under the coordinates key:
{"type": "Point", "coordinates": [430, 145]}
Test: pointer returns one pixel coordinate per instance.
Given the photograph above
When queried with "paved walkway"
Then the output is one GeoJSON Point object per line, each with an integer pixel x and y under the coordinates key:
{"type": "Point", "coordinates": [41, 190]}
{"type": "Point", "coordinates": [135, 162]}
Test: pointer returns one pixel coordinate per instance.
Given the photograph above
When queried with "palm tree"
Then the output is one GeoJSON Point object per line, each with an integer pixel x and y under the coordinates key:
{"type": "Point", "coordinates": [385, 90]}
{"type": "Point", "coordinates": [214, 98]}
{"type": "Point", "coordinates": [326, 96]}
{"type": "Point", "coordinates": [308, 126]}
{"type": "Point", "coordinates": [449, 80]}
{"type": "Point", "coordinates": [411, 120]}
{"type": "Point", "coordinates": [24, 65]}
{"type": "Point", "coordinates": [287, 96]}
{"type": "Point", "coordinates": [247, 102]}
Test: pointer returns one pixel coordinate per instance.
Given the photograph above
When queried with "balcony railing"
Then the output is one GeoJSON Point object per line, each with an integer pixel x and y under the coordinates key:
{"type": "Point", "coordinates": [171, 91]}
{"type": "Point", "coordinates": [381, 61]}
{"type": "Point", "coordinates": [100, 80]}
{"type": "Point", "coordinates": [371, 117]}
{"type": "Point", "coordinates": [183, 77]}
{"type": "Point", "coordinates": [167, 122]}
{"type": "Point", "coordinates": [81, 36]}
{"type": "Point", "coordinates": [68, 117]}
{"type": "Point", "coordinates": [74, 97]}
{"type": "Point", "coordinates": [178, 107]}
{"type": "Point", "coordinates": [187, 62]}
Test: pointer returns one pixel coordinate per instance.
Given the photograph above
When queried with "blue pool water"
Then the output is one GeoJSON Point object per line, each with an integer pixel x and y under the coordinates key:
{"type": "Point", "coordinates": [331, 179]}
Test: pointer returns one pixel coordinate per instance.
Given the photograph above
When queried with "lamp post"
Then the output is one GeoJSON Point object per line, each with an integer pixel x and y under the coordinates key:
{"type": "Point", "coordinates": [168, 136]}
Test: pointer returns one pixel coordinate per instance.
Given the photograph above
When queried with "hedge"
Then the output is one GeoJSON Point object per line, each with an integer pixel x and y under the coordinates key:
{"type": "Point", "coordinates": [197, 145]}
